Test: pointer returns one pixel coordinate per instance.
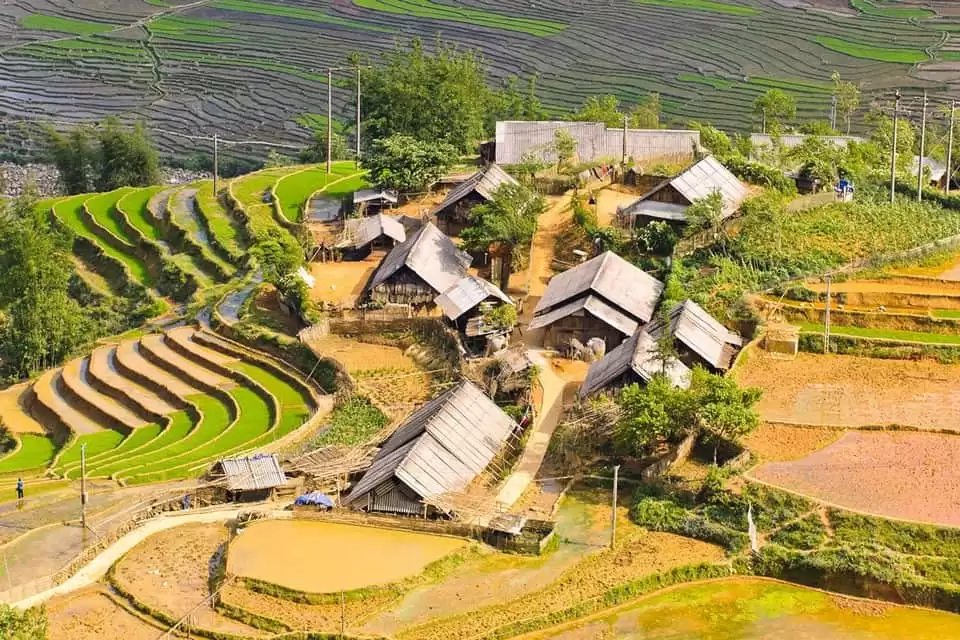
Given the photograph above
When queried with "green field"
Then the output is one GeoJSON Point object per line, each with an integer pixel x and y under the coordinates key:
{"type": "Point", "coordinates": [103, 210]}
{"type": "Point", "coordinates": [297, 13]}
{"type": "Point", "coordinates": [436, 11]}
{"type": "Point", "coordinates": [178, 429]}
{"type": "Point", "coordinates": [885, 334]}
{"type": "Point", "coordinates": [35, 451]}
{"type": "Point", "coordinates": [869, 8]}
{"type": "Point", "coordinates": [222, 228]}
{"type": "Point", "coordinates": [250, 191]}
{"type": "Point", "coordinates": [97, 443]}
{"type": "Point", "coordinates": [345, 187]}
{"type": "Point", "coordinates": [43, 22]}
{"type": "Point", "coordinates": [134, 205]}
{"type": "Point", "coordinates": [704, 5]}
{"type": "Point", "coordinates": [868, 52]}
{"type": "Point", "coordinates": [294, 190]}
{"type": "Point", "coordinates": [750, 609]}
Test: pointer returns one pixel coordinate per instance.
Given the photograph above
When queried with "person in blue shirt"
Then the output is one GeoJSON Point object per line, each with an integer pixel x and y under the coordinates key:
{"type": "Point", "coordinates": [19, 488]}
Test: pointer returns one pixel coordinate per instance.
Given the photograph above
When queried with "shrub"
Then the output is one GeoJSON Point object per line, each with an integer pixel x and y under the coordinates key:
{"type": "Point", "coordinates": [808, 533]}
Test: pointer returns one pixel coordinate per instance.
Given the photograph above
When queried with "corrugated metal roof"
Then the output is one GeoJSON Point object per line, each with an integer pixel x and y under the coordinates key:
{"type": "Point", "coordinates": [369, 195]}
{"type": "Point", "coordinates": [596, 307]}
{"type": "Point", "coordinates": [631, 290]}
{"type": "Point", "coordinates": [516, 139]}
{"type": "Point", "coordinates": [698, 182]}
{"type": "Point", "coordinates": [485, 182]}
{"type": "Point", "coordinates": [656, 209]}
{"type": "Point", "coordinates": [638, 354]}
{"type": "Point", "coordinates": [467, 294]}
{"type": "Point", "coordinates": [691, 325]}
{"type": "Point", "coordinates": [442, 446]}
{"type": "Point", "coordinates": [360, 232]}
{"type": "Point", "coordinates": [252, 473]}
{"type": "Point", "coordinates": [428, 253]}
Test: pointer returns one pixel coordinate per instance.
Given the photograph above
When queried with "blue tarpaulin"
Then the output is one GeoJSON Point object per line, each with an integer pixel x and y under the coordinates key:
{"type": "Point", "coordinates": [315, 498]}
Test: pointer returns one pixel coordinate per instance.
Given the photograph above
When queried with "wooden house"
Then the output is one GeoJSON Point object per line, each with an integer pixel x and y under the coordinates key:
{"type": "Point", "coordinates": [462, 303]}
{"type": "Point", "coordinates": [453, 214]}
{"type": "Point", "coordinates": [440, 449]}
{"type": "Point", "coordinates": [418, 269]}
{"type": "Point", "coordinates": [669, 201]}
{"type": "Point", "coordinates": [605, 297]}
{"type": "Point", "coordinates": [634, 361]}
{"type": "Point", "coordinates": [374, 200]}
{"type": "Point", "coordinates": [250, 478]}
{"type": "Point", "coordinates": [700, 338]}
{"type": "Point", "coordinates": [361, 236]}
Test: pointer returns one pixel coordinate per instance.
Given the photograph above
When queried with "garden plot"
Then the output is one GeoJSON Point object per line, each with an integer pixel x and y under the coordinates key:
{"type": "Point", "coordinates": [342, 283]}
{"type": "Point", "coordinates": [849, 391]}
{"type": "Point", "coordinates": [913, 476]}
{"type": "Point", "coordinates": [284, 552]}
{"type": "Point", "coordinates": [94, 615]}
{"type": "Point", "coordinates": [170, 572]}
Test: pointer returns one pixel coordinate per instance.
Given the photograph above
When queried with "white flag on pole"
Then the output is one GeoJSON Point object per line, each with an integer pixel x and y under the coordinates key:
{"type": "Point", "coordinates": [752, 529]}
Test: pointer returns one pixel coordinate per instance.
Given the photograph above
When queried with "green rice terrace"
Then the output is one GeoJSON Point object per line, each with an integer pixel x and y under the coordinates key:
{"type": "Point", "coordinates": [205, 64]}
{"type": "Point", "coordinates": [162, 407]}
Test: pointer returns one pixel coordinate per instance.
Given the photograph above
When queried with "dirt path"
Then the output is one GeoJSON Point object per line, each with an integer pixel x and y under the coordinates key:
{"type": "Point", "coordinates": [98, 567]}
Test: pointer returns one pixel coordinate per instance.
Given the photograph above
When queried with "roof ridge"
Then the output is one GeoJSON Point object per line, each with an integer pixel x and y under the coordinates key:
{"type": "Point", "coordinates": [603, 263]}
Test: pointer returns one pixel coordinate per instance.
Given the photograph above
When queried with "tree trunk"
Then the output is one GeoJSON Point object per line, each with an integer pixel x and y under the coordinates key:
{"type": "Point", "coordinates": [715, 445]}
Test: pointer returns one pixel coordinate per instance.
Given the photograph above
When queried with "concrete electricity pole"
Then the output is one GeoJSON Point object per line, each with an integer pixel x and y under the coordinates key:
{"type": "Point", "coordinates": [613, 516]}
{"type": "Point", "coordinates": [833, 112]}
{"type": "Point", "coordinates": [358, 114]}
{"type": "Point", "coordinates": [923, 141]}
{"type": "Point", "coordinates": [216, 162]}
{"type": "Point", "coordinates": [83, 486]}
{"type": "Point", "coordinates": [893, 150]}
{"type": "Point", "coordinates": [329, 121]}
{"type": "Point", "coordinates": [826, 320]}
{"type": "Point", "coordinates": [953, 111]}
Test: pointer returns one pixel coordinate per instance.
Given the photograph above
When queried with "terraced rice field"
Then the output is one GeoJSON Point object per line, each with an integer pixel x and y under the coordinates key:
{"type": "Point", "coordinates": [206, 65]}
{"type": "Point", "coordinates": [182, 211]}
{"type": "Point", "coordinates": [294, 190]}
{"type": "Point", "coordinates": [158, 408]}
{"type": "Point", "coordinates": [134, 207]}
{"type": "Point", "coordinates": [225, 231]}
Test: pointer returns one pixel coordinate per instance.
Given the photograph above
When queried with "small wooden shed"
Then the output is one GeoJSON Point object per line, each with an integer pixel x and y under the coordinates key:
{"type": "Point", "coordinates": [453, 214]}
{"type": "Point", "coordinates": [250, 478]}
{"type": "Point", "coordinates": [361, 236]}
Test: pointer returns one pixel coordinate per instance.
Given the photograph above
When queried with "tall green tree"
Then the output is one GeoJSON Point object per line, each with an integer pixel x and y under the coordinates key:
{"type": "Point", "coordinates": [646, 115]}
{"type": "Point", "coordinates": [775, 107]}
{"type": "Point", "coordinates": [41, 324]}
{"type": "Point", "coordinates": [565, 146]}
{"type": "Point", "coordinates": [406, 164]}
{"type": "Point", "coordinates": [724, 411]}
{"type": "Point", "coordinates": [658, 411]}
{"type": "Point", "coordinates": [438, 96]}
{"type": "Point", "coordinates": [23, 625]}
{"type": "Point", "coordinates": [605, 109]}
{"type": "Point", "coordinates": [126, 158]}
{"type": "Point", "coordinates": [848, 98]}
{"type": "Point", "coordinates": [509, 218]}
{"type": "Point", "coordinates": [75, 158]}
{"type": "Point", "coordinates": [706, 213]}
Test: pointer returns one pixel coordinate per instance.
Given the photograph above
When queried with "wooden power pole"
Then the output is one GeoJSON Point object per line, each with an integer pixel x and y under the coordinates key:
{"type": "Point", "coordinates": [216, 162]}
{"type": "Point", "coordinates": [953, 112]}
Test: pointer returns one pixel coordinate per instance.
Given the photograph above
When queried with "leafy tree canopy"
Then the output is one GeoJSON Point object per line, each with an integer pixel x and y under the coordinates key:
{"type": "Point", "coordinates": [775, 106]}
{"type": "Point", "coordinates": [848, 98]}
{"type": "Point", "coordinates": [40, 324]}
{"type": "Point", "coordinates": [509, 217]}
{"type": "Point", "coordinates": [406, 164]}
{"type": "Point", "coordinates": [23, 625]}
{"type": "Point", "coordinates": [607, 109]}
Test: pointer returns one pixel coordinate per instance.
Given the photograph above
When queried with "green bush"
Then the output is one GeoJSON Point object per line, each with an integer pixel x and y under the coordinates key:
{"type": "Point", "coordinates": [352, 422]}
{"type": "Point", "coordinates": [808, 533]}
{"type": "Point", "coordinates": [918, 539]}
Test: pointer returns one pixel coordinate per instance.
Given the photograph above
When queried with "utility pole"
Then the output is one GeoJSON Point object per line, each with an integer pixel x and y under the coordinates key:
{"type": "Point", "coordinates": [833, 112]}
{"type": "Point", "coordinates": [216, 162]}
{"type": "Point", "coordinates": [893, 149]}
{"type": "Point", "coordinates": [953, 111]}
{"type": "Point", "coordinates": [826, 320]}
{"type": "Point", "coordinates": [613, 516]}
{"type": "Point", "coordinates": [923, 140]}
{"type": "Point", "coordinates": [343, 617]}
{"type": "Point", "coordinates": [83, 486]}
{"type": "Point", "coordinates": [329, 120]}
{"type": "Point", "coordinates": [358, 114]}
{"type": "Point", "coordinates": [623, 159]}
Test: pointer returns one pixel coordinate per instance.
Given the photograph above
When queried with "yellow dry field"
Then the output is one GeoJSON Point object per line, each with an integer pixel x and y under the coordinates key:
{"type": "Point", "coordinates": [91, 615]}
{"type": "Point", "coordinates": [12, 412]}
{"type": "Point", "coordinates": [342, 283]}
{"type": "Point", "coordinates": [324, 557]}
{"type": "Point", "coordinates": [607, 202]}
{"type": "Point", "coordinates": [849, 391]}
{"type": "Point", "coordinates": [359, 356]}
{"type": "Point", "coordinates": [781, 443]}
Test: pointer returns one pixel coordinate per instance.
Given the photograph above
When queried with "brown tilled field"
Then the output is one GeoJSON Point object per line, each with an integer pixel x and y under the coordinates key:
{"type": "Point", "coordinates": [170, 571]}
{"type": "Point", "coordinates": [780, 442]}
{"type": "Point", "coordinates": [92, 615]}
{"type": "Point", "coordinates": [913, 476]}
{"type": "Point", "coordinates": [850, 391]}
{"type": "Point", "coordinates": [342, 283]}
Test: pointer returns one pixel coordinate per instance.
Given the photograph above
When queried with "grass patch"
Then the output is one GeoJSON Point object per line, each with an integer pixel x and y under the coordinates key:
{"type": "Point", "coordinates": [35, 451]}
{"type": "Point", "coordinates": [103, 210]}
{"type": "Point", "coordinates": [704, 5]}
{"type": "Point", "coordinates": [352, 422]}
{"type": "Point", "coordinates": [436, 11]}
{"type": "Point", "coordinates": [197, 30]}
{"type": "Point", "coordinates": [885, 334]}
{"type": "Point", "coordinates": [70, 213]}
{"type": "Point", "coordinates": [180, 426]}
{"type": "Point", "coordinates": [902, 537]}
{"type": "Point", "coordinates": [134, 205]}
{"type": "Point", "coordinates": [945, 313]}
{"type": "Point", "coordinates": [97, 443]}
{"type": "Point", "coordinates": [296, 13]}
{"type": "Point", "coordinates": [42, 22]}
{"type": "Point", "coordinates": [347, 186]}
{"type": "Point", "coordinates": [294, 190]}
{"type": "Point", "coordinates": [285, 393]}
{"type": "Point", "coordinates": [898, 13]}
{"type": "Point", "coordinates": [869, 52]}
{"type": "Point", "coordinates": [808, 533]}
{"type": "Point", "coordinates": [222, 228]}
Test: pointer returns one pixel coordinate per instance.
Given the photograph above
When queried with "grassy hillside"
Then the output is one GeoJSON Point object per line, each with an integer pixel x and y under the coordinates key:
{"type": "Point", "coordinates": [256, 68]}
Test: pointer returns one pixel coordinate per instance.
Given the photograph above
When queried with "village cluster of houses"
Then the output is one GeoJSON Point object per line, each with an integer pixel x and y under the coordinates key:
{"type": "Point", "coordinates": [606, 301]}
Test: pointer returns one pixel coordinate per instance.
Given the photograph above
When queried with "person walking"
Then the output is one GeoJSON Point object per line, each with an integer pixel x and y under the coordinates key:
{"type": "Point", "coordinates": [19, 488]}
